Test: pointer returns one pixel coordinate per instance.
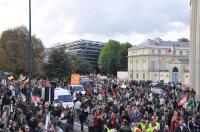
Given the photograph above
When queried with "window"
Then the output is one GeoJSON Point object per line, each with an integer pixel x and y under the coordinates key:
{"type": "Point", "coordinates": [181, 52]}
{"type": "Point", "coordinates": [155, 75]}
{"type": "Point", "coordinates": [143, 76]}
{"type": "Point", "coordinates": [186, 76]}
{"type": "Point", "coordinates": [131, 74]}
{"type": "Point", "coordinates": [131, 64]}
{"type": "Point", "coordinates": [137, 64]}
{"type": "Point", "coordinates": [153, 51]}
{"type": "Point", "coordinates": [143, 65]}
{"type": "Point", "coordinates": [157, 66]}
{"type": "Point", "coordinates": [187, 53]}
{"type": "Point", "coordinates": [137, 75]}
{"type": "Point", "coordinates": [186, 67]}
{"type": "Point", "coordinates": [153, 66]}
{"type": "Point", "coordinates": [166, 51]}
{"type": "Point", "coordinates": [164, 67]}
{"type": "Point", "coordinates": [159, 51]}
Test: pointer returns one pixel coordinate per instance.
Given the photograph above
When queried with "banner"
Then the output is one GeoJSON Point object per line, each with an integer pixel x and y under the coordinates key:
{"type": "Point", "coordinates": [75, 79]}
{"type": "Point", "coordinates": [183, 100]}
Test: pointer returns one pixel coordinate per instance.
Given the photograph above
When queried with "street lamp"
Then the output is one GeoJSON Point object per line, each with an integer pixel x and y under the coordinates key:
{"type": "Point", "coordinates": [29, 54]}
{"type": "Point", "coordinates": [109, 65]}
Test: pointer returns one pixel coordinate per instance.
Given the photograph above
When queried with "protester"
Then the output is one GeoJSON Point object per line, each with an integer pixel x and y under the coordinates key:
{"type": "Point", "coordinates": [140, 107]}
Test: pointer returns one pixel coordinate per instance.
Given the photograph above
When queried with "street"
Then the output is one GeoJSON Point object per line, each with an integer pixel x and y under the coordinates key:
{"type": "Point", "coordinates": [77, 127]}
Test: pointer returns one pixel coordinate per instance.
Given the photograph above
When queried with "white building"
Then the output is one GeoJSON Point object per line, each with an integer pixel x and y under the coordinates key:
{"type": "Point", "coordinates": [195, 46]}
{"type": "Point", "coordinates": [159, 60]}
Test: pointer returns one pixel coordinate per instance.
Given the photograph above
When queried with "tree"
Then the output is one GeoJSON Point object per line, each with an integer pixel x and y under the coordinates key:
{"type": "Point", "coordinates": [82, 66]}
{"type": "Point", "coordinates": [61, 64]}
{"type": "Point", "coordinates": [14, 53]}
{"type": "Point", "coordinates": [123, 59]}
{"type": "Point", "coordinates": [113, 57]}
{"type": "Point", "coordinates": [58, 65]}
{"type": "Point", "coordinates": [108, 57]}
{"type": "Point", "coordinates": [183, 40]}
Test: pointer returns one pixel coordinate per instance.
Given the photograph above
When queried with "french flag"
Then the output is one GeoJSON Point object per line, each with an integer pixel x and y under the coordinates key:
{"type": "Point", "coordinates": [170, 51]}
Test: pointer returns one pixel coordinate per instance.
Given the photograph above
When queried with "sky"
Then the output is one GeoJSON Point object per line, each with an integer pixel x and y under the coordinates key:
{"type": "Point", "coordinates": [133, 21]}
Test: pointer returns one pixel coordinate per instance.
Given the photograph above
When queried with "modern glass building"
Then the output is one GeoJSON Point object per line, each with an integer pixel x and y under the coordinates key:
{"type": "Point", "coordinates": [85, 49]}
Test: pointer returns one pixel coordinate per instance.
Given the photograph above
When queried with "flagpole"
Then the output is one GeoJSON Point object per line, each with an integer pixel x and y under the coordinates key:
{"type": "Point", "coordinates": [29, 55]}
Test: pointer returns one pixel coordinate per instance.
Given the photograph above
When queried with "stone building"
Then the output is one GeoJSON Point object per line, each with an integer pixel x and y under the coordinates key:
{"type": "Point", "coordinates": [159, 60]}
{"type": "Point", "coordinates": [195, 47]}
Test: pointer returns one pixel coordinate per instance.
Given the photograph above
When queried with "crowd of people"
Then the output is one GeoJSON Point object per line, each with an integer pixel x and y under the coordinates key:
{"type": "Point", "coordinates": [136, 108]}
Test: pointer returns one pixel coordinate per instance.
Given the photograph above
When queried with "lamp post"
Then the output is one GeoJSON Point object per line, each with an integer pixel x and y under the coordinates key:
{"type": "Point", "coordinates": [29, 54]}
{"type": "Point", "coordinates": [109, 65]}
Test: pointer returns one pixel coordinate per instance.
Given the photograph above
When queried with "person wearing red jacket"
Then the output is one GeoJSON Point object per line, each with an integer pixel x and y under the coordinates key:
{"type": "Point", "coordinates": [96, 118]}
{"type": "Point", "coordinates": [113, 119]}
{"type": "Point", "coordinates": [173, 124]}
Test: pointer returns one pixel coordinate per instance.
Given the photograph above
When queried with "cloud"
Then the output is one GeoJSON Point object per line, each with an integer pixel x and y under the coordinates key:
{"type": "Point", "coordinates": [124, 20]}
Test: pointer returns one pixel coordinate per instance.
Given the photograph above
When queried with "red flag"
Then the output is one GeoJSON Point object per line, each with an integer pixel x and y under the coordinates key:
{"type": "Point", "coordinates": [36, 98]}
{"type": "Point", "coordinates": [183, 100]}
{"type": "Point", "coordinates": [170, 51]}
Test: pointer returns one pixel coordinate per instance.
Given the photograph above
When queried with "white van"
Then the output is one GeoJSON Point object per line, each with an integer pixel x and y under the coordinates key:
{"type": "Point", "coordinates": [78, 88]}
{"type": "Point", "coordinates": [63, 96]}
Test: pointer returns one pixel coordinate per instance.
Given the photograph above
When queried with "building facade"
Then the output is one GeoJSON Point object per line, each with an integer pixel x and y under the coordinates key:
{"type": "Point", "coordinates": [195, 47]}
{"type": "Point", "coordinates": [85, 49]}
{"type": "Point", "coordinates": [159, 60]}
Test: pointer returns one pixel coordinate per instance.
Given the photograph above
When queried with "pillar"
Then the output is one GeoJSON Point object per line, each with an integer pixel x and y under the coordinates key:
{"type": "Point", "coordinates": [195, 47]}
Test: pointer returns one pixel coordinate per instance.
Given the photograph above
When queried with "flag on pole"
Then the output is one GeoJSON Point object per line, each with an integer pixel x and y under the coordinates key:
{"type": "Point", "coordinates": [190, 104]}
{"type": "Point", "coordinates": [183, 100]}
{"type": "Point", "coordinates": [174, 49]}
{"type": "Point", "coordinates": [170, 51]}
{"type": "Point", "coordinates": [35, 103]}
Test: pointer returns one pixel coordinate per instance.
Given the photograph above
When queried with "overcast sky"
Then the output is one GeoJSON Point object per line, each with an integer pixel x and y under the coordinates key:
{"type": "Point", "coordinates": [100, 20]}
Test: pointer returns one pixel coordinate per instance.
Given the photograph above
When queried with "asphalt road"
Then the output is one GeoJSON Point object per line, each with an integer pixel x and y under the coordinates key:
{"type": "Point", "coordinates": [77, 127]}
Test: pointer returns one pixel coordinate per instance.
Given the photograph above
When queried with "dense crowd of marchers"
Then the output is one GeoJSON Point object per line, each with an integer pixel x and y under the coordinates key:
{"type": "Point", "coordinates": [141, 106]}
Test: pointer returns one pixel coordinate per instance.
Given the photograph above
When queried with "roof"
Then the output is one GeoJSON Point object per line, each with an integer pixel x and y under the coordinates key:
{"type": "Point", "coordinates": [161, 43]}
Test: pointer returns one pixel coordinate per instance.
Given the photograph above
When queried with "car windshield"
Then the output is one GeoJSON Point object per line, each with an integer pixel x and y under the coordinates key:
{"type": "Point", "coordinates": [78, 88]}
{"type": "Point", "coordinates": [63, 98]}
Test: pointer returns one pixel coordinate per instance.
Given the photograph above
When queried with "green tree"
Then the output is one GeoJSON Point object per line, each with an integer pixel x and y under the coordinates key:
{"type": "Point", "coordinates": [61, 64]}
{"type": "Point", "coordinates": [14, 53]}
{"type": "Point", "coordinates": [113, 57]}
{"type": "Point", "coordinates": [123, 59]}
{"type": "Point", "coordinates": [183, 40]}
{"type": "Point", "coordinates": [58, 65]}
{"type": "Point", "coordinates": [81, 66]}
{"type": "Point", "coordinates": [108, 57]}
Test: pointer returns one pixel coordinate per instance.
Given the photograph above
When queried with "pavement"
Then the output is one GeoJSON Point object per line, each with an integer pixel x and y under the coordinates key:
{"type": "Point", "coordinates": [77, 127]}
